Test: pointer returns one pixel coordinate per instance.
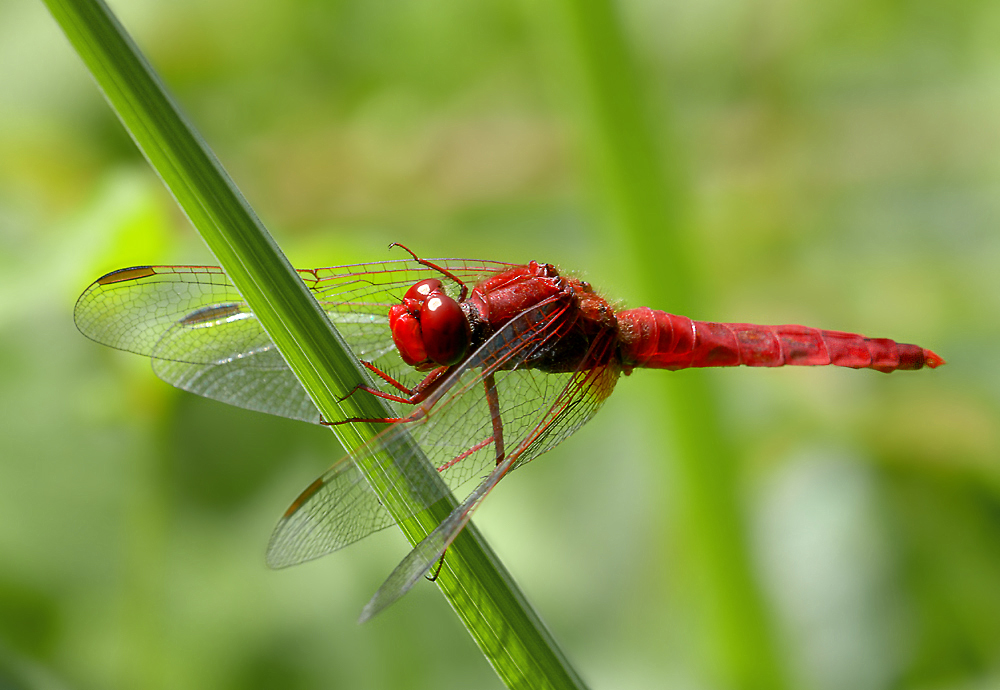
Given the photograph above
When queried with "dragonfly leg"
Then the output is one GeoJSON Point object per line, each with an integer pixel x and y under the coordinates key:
{"type": "Point", "coordinates": [418, 414]}
{"type": "Point", "coordinates": [496, 439]}
{"type": "Point", "coordinates": [385, 377]}
{"type": "Point", "coordinates": [374, 391]}
{"type": "Point", "coordinates": [415, 395]}
{"type": "Point", "coordinates": [371, 420]}
{"type": "Point", "coordinates": [443, 271]}
{"type": "Point", "coordinates": [482, 444]}
{"type": "Point", "coordinates": [420, 392]}
{"type": "Point", "coordinates": [377, 393]}
{"type": "Point", "coordinates": [437, 570]}
{"type": "Point", "coordinates": [494, 404]}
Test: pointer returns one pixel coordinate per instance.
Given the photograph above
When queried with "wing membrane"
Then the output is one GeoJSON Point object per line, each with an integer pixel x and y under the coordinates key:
{"type": "Point", "coordinates": [203, 337]}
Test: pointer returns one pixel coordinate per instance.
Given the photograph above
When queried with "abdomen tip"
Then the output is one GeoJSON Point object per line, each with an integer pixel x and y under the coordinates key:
{"type": "Point", "coordinates": [932, 360]}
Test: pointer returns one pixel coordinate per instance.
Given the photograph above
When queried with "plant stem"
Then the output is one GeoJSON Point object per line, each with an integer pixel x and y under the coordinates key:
{"type": "Point", "coordinates": [508, 631]}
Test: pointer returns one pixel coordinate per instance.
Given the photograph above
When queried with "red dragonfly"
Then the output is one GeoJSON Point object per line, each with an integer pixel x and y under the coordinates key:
{"type": "Point", "coordinates": [487, 365]}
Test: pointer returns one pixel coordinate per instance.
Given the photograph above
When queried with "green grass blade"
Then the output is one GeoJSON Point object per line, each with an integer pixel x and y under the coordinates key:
{"type": "Point", "coordinates": [480, 590]}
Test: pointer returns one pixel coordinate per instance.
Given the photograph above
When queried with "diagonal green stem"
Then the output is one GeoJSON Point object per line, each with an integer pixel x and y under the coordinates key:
{"type": "Point", "coordinates": [481, 591]}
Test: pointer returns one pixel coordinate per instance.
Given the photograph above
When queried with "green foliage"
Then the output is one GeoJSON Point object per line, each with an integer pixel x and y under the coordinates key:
{"type": "Point", "coordinates": [832, 164]}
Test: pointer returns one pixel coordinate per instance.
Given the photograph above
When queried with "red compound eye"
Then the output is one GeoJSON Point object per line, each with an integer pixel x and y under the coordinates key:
{"type": "Point", "coordinates": [407, 336]}
{"type": "Point", "coordinates": [445, 329]}
{"type": "Point", "coordinates": [420, 291]}
{"type": "Point", "coordinates": [395, 312]}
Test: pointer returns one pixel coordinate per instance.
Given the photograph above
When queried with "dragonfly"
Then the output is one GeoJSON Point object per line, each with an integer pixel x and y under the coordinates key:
{"type": "Point", "coordinates": [485, 365]}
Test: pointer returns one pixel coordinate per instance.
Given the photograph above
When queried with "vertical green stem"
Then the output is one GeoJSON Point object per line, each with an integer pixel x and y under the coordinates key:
{"type": "Point", "coordinates": [647, 199]}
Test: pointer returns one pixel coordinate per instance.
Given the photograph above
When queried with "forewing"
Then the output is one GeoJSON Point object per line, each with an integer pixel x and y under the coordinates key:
{"type": "Point", "coordinates": [203, 337]}
{"type": "Point", "coordinates": [131, 309]}
{"type": "Point", "coordinates": [260, 381]}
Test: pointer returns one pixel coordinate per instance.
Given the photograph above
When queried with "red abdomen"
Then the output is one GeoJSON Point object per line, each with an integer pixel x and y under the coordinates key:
{"type": "Point", "coordinates": [658, 340]}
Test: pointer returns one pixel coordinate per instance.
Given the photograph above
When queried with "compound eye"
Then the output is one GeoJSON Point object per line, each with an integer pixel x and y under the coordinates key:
{"type": "Point", "coordinates": [406, 334]}
{"type": "Point", "coordinates": [419, 291]}
{"type": "Point", "coordinates": [396, 311]}
{"type": "Point", "coordinates": [446, 332]}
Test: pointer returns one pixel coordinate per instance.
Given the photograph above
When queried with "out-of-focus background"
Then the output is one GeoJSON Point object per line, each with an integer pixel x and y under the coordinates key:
{"type": "Point", "coordinates": [838, 165]}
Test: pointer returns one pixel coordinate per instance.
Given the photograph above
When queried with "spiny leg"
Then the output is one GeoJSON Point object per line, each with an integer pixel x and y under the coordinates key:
{"type": "Point", "coordinates": [385, 377]}
{"type": "Point", "coordinates": [494, 404]}
{"type": "Point", "coordinates": [415, 395]}
{"type": "Point", "coordinates": [437, 570]}
{"type": "Point", "coordinates": [418, 394]}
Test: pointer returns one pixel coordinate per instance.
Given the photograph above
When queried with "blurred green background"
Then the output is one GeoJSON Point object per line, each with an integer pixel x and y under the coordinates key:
{"type": "Point", "coordinates": [833, 163]}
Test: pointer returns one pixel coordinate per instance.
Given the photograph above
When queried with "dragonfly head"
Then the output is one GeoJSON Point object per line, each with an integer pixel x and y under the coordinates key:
{"type": "Point", "coordinates": [429, 328]}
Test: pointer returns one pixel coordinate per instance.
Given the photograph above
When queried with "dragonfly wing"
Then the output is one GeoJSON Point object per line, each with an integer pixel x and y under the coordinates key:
{"type": "Point", "coordinates": [339, 507]}
{"type": "Point", "coordinates": [432, 548]}
{"type": "Point", "coordinates": [203, 337]}
{"type": "Point", "coordinates": [131, 309]}
{"type": "Point", "coordinates": [222, 352]}
{"type": "Point", "coordinates": [262, 383]}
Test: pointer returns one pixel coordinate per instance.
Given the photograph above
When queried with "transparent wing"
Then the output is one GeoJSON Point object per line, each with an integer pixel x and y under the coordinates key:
{"type": "Point", "coordinates": [578, 400]}
{"type": "Point", "coordinates": [340, 509]}
{"type": "Point", "coordinates": [203, 338]}
{"type": "Point", "coordinates": [537, 411]}
{"type": "Point", "coordinates": [424, 555]}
